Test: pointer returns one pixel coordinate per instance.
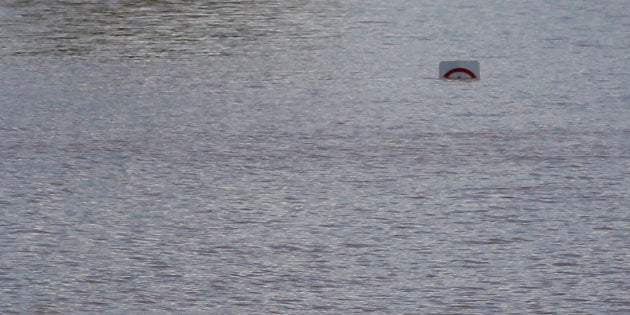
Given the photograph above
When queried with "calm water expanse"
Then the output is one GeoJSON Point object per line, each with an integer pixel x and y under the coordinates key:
{"type": "Point", "coordinates": [301, 157]}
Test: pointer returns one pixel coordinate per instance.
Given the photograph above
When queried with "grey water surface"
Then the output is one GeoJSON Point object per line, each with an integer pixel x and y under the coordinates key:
{"type": "Point", "coordinates": [301, 157]}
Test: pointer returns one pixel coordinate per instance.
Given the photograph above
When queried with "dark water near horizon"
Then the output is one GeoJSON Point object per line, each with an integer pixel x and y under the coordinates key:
{"type": "Point", "coordinates": [296, 157]}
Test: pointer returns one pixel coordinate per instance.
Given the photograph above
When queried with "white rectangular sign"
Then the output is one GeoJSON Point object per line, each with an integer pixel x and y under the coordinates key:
{"type": "Point", "coordinates": [459, 69]}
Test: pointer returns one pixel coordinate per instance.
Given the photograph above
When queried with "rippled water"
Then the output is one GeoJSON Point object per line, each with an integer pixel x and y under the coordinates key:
{"type": "Point", "coordinates": [260, 157]}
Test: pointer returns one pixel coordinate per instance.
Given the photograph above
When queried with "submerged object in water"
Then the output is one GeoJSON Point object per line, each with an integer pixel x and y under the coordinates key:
{"type": "Point", "coordinates": [459, 70]}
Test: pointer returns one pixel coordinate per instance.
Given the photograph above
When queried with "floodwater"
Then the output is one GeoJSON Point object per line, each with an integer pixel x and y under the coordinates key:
{"type": "Point", "coordinates": [296, 157]}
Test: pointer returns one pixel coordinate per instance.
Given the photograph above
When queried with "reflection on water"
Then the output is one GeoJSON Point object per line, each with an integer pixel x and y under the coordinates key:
{"type": "Point", "coordinates": [136, 29]}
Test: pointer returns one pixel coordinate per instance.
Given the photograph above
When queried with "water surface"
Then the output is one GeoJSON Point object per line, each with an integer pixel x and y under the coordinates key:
{"type": "Point", "coordinates": [252, 157]}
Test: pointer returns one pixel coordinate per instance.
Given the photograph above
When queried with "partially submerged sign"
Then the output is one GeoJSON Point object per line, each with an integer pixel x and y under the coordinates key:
{"type": "Point", "coordinates": [459, 69]}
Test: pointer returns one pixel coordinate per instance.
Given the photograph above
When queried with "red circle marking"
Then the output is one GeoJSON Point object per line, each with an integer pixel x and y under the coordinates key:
{"type": "Point", "coordinates": [464, 70]}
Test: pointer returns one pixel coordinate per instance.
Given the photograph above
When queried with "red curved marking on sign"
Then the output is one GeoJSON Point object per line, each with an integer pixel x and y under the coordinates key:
{"type": "Point", "coordinates": [464, 70]}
